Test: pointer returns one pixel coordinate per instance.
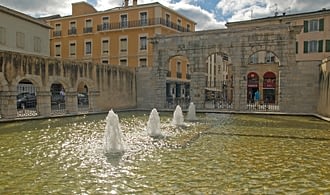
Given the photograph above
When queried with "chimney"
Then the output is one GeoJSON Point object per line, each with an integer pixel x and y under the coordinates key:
{"type": "Point", "coordinates": [134, 2]}
{"type": "Point", "coordinates": [126, 3]}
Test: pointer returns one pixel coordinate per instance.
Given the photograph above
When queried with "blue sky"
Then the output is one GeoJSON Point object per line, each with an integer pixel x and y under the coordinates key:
{"type": "Point", "coordinates": [208, 14]}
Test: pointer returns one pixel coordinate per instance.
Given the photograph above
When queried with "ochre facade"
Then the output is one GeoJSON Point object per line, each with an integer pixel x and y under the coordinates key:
{"type": "Point", "coordinates": [119, 36]}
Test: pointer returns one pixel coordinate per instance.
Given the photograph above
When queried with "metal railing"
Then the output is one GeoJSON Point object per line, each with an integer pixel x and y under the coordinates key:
{"type": "Point", "coordinates": [141, 23]}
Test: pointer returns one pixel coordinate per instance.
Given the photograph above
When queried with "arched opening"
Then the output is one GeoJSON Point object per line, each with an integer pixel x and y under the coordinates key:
{"type": "Point", "coordinates": [252, 86]}
{"type": "Point", "coordinates": [269, 87]}
{"type": "Point", "coordinates": [217, 92]}
{"type": "Point", "coordinates": [57, 97]}
{"type": "Point", "coordinates": [82, 96]}
{"type": "Point", "coordinates": [263, 57]}
{"type": "Point", "coordinates": [178, 82]}
{"type": "Point", "coordinates": [26, 99]}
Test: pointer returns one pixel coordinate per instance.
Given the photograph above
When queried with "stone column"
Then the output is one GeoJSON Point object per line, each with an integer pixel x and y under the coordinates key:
{"type": "Point", "coordinates": [8, 104]}
{"type": "Point", "coordinates": [92, 100]}
{"type": "Point", "coordinates": [197, 89]}
{"type": "Point", "coordinates": [71, 102]}
{"type": "Point", "coordinates": [44, 103]}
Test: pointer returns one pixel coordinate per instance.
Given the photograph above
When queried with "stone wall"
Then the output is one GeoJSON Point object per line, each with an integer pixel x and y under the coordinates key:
{"type": "Point", "coordinates": [298, 82]}
{"type": "Point", "coordinates": [109, 87]}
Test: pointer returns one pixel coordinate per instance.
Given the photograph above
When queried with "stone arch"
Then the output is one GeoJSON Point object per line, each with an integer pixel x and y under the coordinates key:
{"type": "Point", "coordinates": [59, 80]}
{"type": "Point", "coordinates": [83, 87]}
{"type": "Point", "coordinates": [217, 74]}
{"type": "Point", "coordinates": [178, 80]}
{"type": "Point", "coordinates": [263, 57]}
{"type": "Point", "coordinates": [58, 90]}
{"type": "Point", "coordinates": [26, 94]}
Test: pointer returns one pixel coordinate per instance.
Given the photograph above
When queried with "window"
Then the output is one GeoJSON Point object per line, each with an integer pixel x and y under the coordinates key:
{"type": "Point", "coordinates": [123, 44]}
{"type": "Point", "coordinates": [88, 48]}
{"type": "Point", "coordinates": [270, 57]}
{"type": "Point", "coordinates": [178, 66]}
{"type": "Point", "coordinates": [254, 58]}
{"type": "Point", "coordinates": [297, 47]}
{"type": "Point", "coordinates": [57, 31]}
{"type": "Point", "coordinates": [168, 20]}
{"type": "Point", "coordinates": [105, 46]}
{"type": "Point", "coordinates": [143, 62]}
{"type": "Point", "coordinates": [37, 44]}
{"type": "Point", "coordinates": [123, 62]}
{"type": "Point", "coordinates": [327, 46]}
{"type": "Point", "coordinates": [105, 23]}
{"type": "Point", "coordinates": [88, 26]}
{"type": "Point", "coordinates": [72, 49]}
{"type": "Point", "coordinates": [314, 25]}
{"type": "Point", "coordinates": [143, 18]}
{"type": "Point", "coordinates": [57, 50]}
{"type": "Point", "coordinates": [105, 61]}
{"type": "Point", "coordinates": [20, 40]}
{"type": "Point", "coordinates": [123, 21]}
{"type": "Point", "coordinates": [188, 28]}
{"type": "Point", "coordinates": [73, 28]}
{"type": "Point", "coordinates": [313, 46]}
{"type": "Point", "coordinates": [2, 35]}
{"type": "Point", "coordinates": [178, 69]}
{"type": "Point", "coordinates": [179, 24]}
{"type": "Point", "coordinates": [143, 43]}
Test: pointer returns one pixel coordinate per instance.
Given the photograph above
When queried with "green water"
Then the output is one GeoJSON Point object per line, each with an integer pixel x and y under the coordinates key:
{"type": "Point", "coordinates": [219, 154]}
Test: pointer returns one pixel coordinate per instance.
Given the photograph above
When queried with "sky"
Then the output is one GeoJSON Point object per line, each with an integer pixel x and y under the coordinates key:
{"type": "Point", "coordinates": [208, 14]}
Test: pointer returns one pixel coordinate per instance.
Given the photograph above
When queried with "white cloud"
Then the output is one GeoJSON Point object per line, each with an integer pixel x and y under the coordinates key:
{"type": "Point", "coordinates": [206, 18]}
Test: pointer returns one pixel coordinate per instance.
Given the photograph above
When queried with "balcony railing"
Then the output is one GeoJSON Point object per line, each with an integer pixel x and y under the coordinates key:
{"type": "Point", "coordinates": [88, 29]}
{"type": "Point", "coordinates": [57, 33]}
{"type": "Point", "coordinates": [104, 26]}
{"type": "Point", "coordinates": [72, 31]}
{"type": "Point", "coordinates": [141, 23]}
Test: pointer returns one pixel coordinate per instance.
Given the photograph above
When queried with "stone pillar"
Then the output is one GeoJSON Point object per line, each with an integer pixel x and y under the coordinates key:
{"type": "Point", "coordinates": [44, 103]}
{"type": "Point", "coordinates": [8, 104]}
{"type": "Point", "coordinates": [71, 102]}
{"type": "Point", "coordinates": [197, 89]}
{"type": "Point", "coordinates": [92, 100]}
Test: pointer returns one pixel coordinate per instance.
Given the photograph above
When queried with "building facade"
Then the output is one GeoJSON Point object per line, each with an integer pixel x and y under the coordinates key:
{"type": "Point", "coordinates": [117, 36]}
{"type": "Point", "coordinates": [312, 46]}
{"type": "Point", "coordinates": [22, 33]}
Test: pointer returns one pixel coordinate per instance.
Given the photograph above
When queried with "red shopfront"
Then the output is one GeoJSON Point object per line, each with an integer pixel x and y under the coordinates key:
{"type": "Point", "coordinates": [269, 87]}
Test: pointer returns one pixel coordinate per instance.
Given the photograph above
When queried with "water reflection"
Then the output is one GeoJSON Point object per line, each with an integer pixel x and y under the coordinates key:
{"type": "Point", "coordinates": [245, 154]}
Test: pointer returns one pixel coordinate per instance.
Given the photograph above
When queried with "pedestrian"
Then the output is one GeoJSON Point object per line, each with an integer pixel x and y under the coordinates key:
{"type": "Point", "coordinates": [256, 97]}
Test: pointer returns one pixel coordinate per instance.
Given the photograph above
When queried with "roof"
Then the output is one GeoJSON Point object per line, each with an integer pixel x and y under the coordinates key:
{"type": "Point", "coordinates": [23, 16]}
{"type": "Point", "coordinates": [281, 16]}
{"type": "Point", "coordinates": [115, 9]}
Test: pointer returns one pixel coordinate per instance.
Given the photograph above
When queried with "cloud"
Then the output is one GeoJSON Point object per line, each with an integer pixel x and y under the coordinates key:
{"type": "Point", "coordinates": [209, 14]}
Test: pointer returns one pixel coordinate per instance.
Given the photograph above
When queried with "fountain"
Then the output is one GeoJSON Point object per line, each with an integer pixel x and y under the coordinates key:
{"type": "Point", "coordinates": [69, 152]}
{"type": "Point", "coordinates": [177, 116]}
{"type": "Point", "coordinates": [191, 116]}
{"type": "Point", "coordinates": [113, 135]}
{"type": "Point", "coordinates": [153, 125]}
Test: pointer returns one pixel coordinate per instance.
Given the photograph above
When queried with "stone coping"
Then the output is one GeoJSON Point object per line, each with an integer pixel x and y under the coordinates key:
{"type": "Point", "coordinates": [167, 110]}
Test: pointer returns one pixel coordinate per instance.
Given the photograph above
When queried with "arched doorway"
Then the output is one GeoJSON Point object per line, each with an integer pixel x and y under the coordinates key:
{"type": "Point", "coordinates": [26, 99]}
{"type": "Point", "coordinates": [269, 87]}
{"type": "Point", "coordinates": [252, 86]}
{"type": "Point", "coordinates": [57, 97]}
{"type": "Point", "coordinates": [178, 82]}
{"type": "Point", "coordinates": [217, 94]}
{"type": "Point", "coordinates": [82, 97]}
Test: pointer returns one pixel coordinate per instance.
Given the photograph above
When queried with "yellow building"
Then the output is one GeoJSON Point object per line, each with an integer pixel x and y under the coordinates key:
{"type": "Point", "coordinates": [117, 36]}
